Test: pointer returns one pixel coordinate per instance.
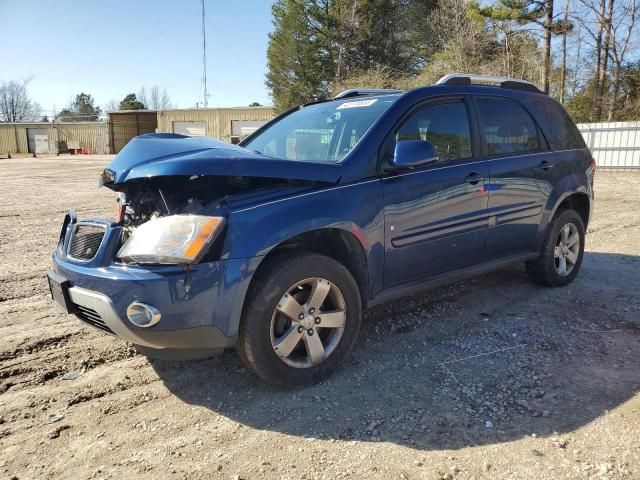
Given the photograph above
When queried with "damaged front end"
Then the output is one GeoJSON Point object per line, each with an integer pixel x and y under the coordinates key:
{"type": "Point", "coordinates": [181, 220]}
{"type": "Point", "coordinates": [176, 193]}
{"type": "Point", "coordinates": [160, 274]}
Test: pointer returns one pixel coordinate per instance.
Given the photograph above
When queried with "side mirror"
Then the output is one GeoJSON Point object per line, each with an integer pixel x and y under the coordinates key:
{"type": "Point", "coordinates": [411, 153]}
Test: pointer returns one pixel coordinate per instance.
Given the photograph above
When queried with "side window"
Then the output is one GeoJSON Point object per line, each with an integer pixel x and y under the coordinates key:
{"type": "Point", "coordinates": [507, 127]}
{"type": "Point", "coordinates": [557, 125]}
{"type": "Point", "coordinates": [445, 126]}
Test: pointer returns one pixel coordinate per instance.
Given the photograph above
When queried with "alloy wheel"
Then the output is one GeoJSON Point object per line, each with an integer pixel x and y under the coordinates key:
{"type": "Point", "coordinates": [308, 322]}
{"type": "Point", "coordinates": [567, 249]}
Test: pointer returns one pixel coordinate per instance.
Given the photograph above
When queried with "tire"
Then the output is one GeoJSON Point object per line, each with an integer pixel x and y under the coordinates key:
{"type": "Point", "coordinates": [547, 268]}
{"type": "Point", "coordinates": [286, 284]}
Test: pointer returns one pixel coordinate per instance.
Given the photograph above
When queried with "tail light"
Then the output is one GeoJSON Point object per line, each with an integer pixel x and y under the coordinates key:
{"type": "Point", "coordinates": [593, 165]}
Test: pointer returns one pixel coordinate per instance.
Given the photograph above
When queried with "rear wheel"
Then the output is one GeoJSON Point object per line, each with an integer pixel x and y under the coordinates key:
{"type": "Point", "coordinates": [301, 320]}
{"type": "Point", "coordinates": [562, 251]}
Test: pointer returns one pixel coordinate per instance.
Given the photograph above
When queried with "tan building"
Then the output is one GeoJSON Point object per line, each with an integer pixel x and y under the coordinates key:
{"type": "Point", "coordinates": [44, 137]}
{"type": "Point", "coordinates": [226, 124]}
{"type": "Point", "coordinates": [222, 123]}
{"type": "Point", "coordinates": [127, 124]}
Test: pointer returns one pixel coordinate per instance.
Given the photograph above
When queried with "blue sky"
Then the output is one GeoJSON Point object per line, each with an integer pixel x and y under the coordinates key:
{"type": "Point", "coordinates": [109, 48]}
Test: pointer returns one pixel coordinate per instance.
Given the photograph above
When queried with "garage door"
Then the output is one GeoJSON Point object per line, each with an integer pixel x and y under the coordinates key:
{"type": "Point", "coordinates": [243, 128]}
{"type": "Point", "coordinates": [38, 140]}
{"type": "Point", "coordinates": [191, 129]}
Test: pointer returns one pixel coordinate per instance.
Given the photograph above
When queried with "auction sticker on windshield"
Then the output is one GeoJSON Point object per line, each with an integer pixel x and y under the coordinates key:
{"type": "Point", "coordinates": [358, 103]}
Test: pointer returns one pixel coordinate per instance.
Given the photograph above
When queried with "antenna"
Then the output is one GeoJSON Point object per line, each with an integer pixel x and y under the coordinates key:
{"type": "Point", "coordinates": [204, 59]}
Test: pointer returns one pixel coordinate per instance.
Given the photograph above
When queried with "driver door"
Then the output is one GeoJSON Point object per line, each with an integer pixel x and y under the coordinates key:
{"type": "Point", "coordinates": [436, 214]}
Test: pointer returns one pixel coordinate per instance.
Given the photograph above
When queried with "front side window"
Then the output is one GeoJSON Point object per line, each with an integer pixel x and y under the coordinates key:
{"type": "Point", "coordinates": [445, 126]}
{"type": "Point", "coordinates": [507, 127]}
{"type": "Point", "coordinates": [324, 133]}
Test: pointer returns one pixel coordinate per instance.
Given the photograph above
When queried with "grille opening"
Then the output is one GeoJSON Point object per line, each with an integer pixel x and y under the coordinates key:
{"type": "Point", "coordinates": [85, 241]}
{"type": "Point", "coordinates": [91, 317]}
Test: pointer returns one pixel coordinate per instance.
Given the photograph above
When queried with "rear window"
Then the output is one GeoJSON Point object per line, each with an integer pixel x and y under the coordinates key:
{"type": "Point", "coordinates": [561, 132]}
{"type": "Point", "coordinates": [507, 127]}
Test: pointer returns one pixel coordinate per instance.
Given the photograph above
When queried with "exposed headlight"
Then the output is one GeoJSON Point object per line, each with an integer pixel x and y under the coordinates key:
{"type": "Point", "coordinates": [173, 239]}
{"type": "Point", "coordinates": [107, 177]}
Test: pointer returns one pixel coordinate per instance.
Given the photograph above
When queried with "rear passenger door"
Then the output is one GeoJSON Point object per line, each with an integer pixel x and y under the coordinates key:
{"type": "Point", "coordinates": [521, 172]}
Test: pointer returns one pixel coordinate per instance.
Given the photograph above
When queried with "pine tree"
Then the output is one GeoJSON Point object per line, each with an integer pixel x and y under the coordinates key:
{"type": "Point", "coordinates": [299, 56]}
{"type": "Point", "coordinates": [131, 102]}
{"type": "Point", "coordinates": [319, 43]}
{"type": "Point", "coordinates": [523, 12]}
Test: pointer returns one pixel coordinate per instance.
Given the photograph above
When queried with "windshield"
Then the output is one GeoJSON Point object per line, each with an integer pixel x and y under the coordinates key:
{"type": "Point", "coordinates": [323, 133]}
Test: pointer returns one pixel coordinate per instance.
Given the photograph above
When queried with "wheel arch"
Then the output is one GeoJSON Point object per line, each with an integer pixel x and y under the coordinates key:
{"type": "Point", "coordinates": [578, 201]}
{"type": "Point", "coordinates": [337, 243]}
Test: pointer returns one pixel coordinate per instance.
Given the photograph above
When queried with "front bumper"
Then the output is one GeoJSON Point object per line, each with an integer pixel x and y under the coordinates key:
{"type": "Point", "coordinates": [97, 310]}
{"type": "Point", "coordinates": [194, 316]}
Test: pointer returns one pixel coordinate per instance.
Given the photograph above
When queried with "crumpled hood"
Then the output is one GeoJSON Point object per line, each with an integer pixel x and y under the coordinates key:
{"type": "Point", "coordinates": [166, 154]}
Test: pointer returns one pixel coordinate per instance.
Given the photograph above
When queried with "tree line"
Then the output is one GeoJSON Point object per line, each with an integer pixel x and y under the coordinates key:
{"type": "Point", "coordinates": [582, 52]}
{"type": "Point", "coordinates": [17, 106]}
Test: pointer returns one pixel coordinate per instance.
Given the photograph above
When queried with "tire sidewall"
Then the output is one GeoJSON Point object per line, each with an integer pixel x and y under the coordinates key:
{"type": "Point", "coordinates": [280, 278]}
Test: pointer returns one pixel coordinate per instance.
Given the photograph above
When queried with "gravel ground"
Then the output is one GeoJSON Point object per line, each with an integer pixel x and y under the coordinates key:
{"type": "Point", "coordinates": [488, 378]}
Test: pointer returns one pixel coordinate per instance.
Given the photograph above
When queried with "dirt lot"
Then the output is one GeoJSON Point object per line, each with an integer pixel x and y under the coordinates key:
{"type": "Point", "coordinates": [489, 378]}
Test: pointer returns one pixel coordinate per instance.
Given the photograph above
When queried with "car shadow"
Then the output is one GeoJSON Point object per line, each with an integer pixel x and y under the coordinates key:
{"type": "Point", "coordinates": [487, 360]}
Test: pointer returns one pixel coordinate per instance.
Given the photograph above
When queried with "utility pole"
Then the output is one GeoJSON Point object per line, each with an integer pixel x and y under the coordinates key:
{"type": "Point", "coordinates": [204, 59]}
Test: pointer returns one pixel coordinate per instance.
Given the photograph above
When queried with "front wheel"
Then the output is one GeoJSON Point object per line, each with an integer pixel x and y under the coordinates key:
{"type": "Point", "coordinates": [562, 251]}
{"type": "Point", "coordinates": [301, 320]}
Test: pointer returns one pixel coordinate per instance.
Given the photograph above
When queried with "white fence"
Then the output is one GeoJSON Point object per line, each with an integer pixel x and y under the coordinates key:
{"type": "Point", "coordinates": [613, 144]}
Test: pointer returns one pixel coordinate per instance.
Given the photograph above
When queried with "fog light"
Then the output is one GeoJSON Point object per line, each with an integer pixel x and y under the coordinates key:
{"type": "Point", "coordinates": [143, 315]}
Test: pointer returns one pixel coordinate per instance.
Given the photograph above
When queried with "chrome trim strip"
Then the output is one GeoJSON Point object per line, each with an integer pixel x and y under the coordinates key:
{"type": "Point", "coordinates": [485, 160]}
{"type": "Point", "coordinates": [433, 169]}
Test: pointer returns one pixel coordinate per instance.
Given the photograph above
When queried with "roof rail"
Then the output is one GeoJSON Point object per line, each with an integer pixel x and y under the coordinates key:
{"type": "Point", "coordinates": [357, 92]}
{"type": "Point", "coordinates": [504, 82]}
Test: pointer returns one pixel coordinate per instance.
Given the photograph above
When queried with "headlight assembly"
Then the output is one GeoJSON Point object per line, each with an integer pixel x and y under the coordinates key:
{"type": "Point", "coordinates": [172, 239]}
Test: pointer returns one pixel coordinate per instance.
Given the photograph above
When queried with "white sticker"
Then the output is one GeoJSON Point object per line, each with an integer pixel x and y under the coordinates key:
{"type": "Point", "coordinates": [358, 103]}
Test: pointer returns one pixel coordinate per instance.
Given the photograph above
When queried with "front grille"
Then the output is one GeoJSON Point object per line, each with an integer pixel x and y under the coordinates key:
{"type": "Point", "coordinates": [85, 241]}
{"type": "Point", "coordinates": [91, 317]}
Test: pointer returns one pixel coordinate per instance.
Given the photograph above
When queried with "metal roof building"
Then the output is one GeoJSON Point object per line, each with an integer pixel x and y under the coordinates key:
{"type": "Point", "coordinates": [227, 124]}
{"type": "Point", "coordinates": [44, 137]}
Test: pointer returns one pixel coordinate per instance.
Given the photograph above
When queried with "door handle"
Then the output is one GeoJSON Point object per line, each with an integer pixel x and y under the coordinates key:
{"type": "Point", "coordinates": [473, 178]}
{"type": "Point", "coordinates": [545, 165]}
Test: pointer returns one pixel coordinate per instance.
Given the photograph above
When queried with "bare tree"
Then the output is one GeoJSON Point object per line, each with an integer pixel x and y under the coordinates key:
{"type": "Point", "coordinates": [579, 69]}
{"type": "Point", "coordinates": [112, 105]}
{"type": "Point", "coordinates": [563, 78]}
{"type": "Point", "coordinates": [605, 21]}
{"type": "Point", "coordinates": [15, 104]}
{"type": "Point", "coordinates": [547, 25]}
{"type": "Point", "coordinates": [155, 99]}
{"type": "Point", "coordinates": [610, 24]}
{"type": "Point", "coordinates": [621, 35]}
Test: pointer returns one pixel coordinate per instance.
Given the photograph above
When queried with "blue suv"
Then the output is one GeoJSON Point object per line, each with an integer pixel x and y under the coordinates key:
{"type": "Point", "coordinates": [278, 244]}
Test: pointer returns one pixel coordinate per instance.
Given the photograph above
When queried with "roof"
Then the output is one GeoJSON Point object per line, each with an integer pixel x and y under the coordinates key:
{"type": "Point", "coordinates": [117, 112]}
{"type": "Point", "coordinates": [261, 107]}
